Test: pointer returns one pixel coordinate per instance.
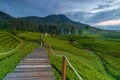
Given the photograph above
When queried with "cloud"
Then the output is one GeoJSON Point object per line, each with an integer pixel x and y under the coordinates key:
{"type": "Point", "coordinates": [86, 11]}
{"type": "Point", "coordinates": [104, 16]}
{"type": "Point", "coordinates": [108, 23]}
{"type": "Point", "coordinates": [29, 8]}
{"type": "Point", "coordinates": [96, 11]}
{"type": "Point", "coordinates": [107, 6]}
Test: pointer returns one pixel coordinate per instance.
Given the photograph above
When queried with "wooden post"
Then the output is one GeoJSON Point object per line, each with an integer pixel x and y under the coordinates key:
{"type": "Point", "coordinates": [22, 50]}
{"type": "Point", "coordinates": [64, 69]}
{"type": "Point", "coordinates": [32, 47]}
{"type": "Point", "coordinates": [41, 41]}
{"type": "Point", "coordinates": [48, 51]}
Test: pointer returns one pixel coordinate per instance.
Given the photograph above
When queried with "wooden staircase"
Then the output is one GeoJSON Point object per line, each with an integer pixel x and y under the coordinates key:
{"type": "Point", "coordinates": [36, 66]}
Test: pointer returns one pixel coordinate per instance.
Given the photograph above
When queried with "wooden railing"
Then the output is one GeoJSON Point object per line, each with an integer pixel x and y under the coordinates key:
{"type": "Point", "coordinates": [64, 64]}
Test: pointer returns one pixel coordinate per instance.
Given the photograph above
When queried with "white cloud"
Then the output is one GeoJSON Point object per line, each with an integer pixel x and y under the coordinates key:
{"type": "Point", "coordinates": [107, 23]}
{"type": "Point", "coordinates": [105, 9]}
{"type": "Point", "coordinates": [107, 5]}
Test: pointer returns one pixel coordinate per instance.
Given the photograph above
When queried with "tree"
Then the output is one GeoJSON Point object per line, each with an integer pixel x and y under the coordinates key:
{"type": "Point", "coordinates": [19, 24]}
{"type": "Point", "coordinates": [80, 31]}
{"type": "Point", "coordinates": [87, 27]}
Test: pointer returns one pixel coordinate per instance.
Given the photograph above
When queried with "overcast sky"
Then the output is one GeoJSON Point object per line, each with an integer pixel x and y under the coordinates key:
{"type": "Point", "coordinates": [93, 12]}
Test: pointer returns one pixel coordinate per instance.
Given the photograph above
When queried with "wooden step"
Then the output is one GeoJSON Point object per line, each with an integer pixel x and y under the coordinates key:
{"type": "Point", "coordinates": [31, 69]}
{"type": "Point", "coordinates": [30, 74]}
{"type": "Point", "coordinates": [32, 78]}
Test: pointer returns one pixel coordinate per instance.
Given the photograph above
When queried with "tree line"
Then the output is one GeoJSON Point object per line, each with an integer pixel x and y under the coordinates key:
{"type": "Point", "coordinates": [50, 28]}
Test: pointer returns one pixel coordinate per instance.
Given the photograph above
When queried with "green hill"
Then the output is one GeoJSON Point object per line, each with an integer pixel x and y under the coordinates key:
{"type": "Point", "coordinates": [60, 24]}
{"type": "Point", "coordinates": [52, 19]}
{"type": "Point", "coordinates": [10, 52]}
{"type": "Point", "coordinates": [5, 16]}
{"type": "Point", "coordinates": [91, 57]}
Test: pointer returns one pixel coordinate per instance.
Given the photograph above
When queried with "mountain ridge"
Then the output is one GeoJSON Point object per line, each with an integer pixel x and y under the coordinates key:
{"type": "Point", "coordinates": [5, 16]}
{"type": "Point", "coordinates": [60, 18]}
{"type": "Point", "coordinates": [61, 21]}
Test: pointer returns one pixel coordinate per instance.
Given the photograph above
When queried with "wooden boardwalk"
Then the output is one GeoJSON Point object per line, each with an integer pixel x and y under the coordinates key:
{"type": "Point", "coordinates": [35, 66]}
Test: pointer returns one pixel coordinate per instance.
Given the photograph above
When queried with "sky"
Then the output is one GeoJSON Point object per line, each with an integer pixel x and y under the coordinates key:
{"type": "Point", "coordinates": [98, 13]}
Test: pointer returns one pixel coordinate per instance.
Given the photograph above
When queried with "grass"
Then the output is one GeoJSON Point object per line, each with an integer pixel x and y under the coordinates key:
{"type": "Point", "coordinates": [85, 56]}
{"type": "Point", "coordinates": [92, 57]}
{"type": "Point", "coordinates": [108, 51]}
{"type": "Point", "coordinates": [88, 64]}
{"type": "Point", "coordinates": [10, 60]}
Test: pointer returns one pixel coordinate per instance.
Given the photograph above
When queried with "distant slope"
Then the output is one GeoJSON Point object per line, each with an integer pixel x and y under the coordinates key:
{"type": "Point", "coordinates": [5, 16]}
{"type": "Point", "coordinates": [51, 19]}
{"type": "Point", "coordinates": [59, 20]}
{"type": "Point", "coordinates": [62, 22]}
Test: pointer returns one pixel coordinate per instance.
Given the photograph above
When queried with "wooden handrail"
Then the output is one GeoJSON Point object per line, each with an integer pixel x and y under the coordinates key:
{"type": "Point", "coordinates": [64, 68]}
{"type": "Point", "coordinates": [48, 47]}
{"type": "Point", "coordinates": [22, 50]}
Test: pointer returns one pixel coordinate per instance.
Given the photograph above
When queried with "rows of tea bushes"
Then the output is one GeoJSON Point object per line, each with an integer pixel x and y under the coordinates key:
{"type": "Point", "coordinates": [11, 52]}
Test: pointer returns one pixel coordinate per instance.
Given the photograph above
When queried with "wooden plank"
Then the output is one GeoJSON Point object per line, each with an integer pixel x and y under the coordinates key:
{"type": "Point", "coordinates": [33, 78]}
{"type": "Point", "coordinates": [30, 74]}
{"type": "Point", "coordinates": [32, 66]}
{"type": "Point", "coordinates": [31, 69]}
{"type": "Point", "coordinates": [36, 61]}
{"type": "Point", "coordinates": [25, 63]}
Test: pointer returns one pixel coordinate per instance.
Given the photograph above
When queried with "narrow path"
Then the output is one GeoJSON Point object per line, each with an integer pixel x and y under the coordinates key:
{"type": "Point", "coordinates": [35, 66]}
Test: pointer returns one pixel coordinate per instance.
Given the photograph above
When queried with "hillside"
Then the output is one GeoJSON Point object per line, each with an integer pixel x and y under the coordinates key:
{"type": "Point", "coordinates": [59, 20]}
{"type": "Point", "coordinates": [5, 16]}
{"type": "Point", "coordinates": [93, 58]}
{"type": "Point", "coordinates": [52, 19]}
{"type": "Point", "coordinates": [52, 24]}
{"type": "Point", "coordinates": [59, 24]}
{"type": "Point", "coordinates": [10, 52]}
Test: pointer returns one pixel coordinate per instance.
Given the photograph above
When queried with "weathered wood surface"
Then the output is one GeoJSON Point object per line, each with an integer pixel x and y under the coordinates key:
{"type": "Point", "coordinates": [35, 66]}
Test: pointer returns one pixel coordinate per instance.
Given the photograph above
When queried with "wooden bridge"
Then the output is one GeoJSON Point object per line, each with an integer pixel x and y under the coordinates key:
{"type": "Point", "coordinates": [35, 66]}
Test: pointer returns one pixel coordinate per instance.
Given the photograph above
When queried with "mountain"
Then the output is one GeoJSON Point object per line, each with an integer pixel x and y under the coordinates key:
{"type": "Point", "coordinates": [52, 23]}
{"type": "Point", "coordinates": [52, 19]}
{"type": "Point", "coordinates": [62, 22]}
{"type": "Point", "coordinates": [5, 16]}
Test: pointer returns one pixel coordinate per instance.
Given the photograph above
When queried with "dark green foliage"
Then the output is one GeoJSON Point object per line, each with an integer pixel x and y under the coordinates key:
{"type": "Point", "coordinates": [64, 24]}
{"type": "Point", "coordinates": [5, 16]}
{"type": "Point", "coordinates": [87, 27]}
{"type": "Point", "coordinates": [53, 24]}
{"type": "Point", "coordinates": [18, 24]}
{"type": "Point", "coordinates": [3, 24]}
